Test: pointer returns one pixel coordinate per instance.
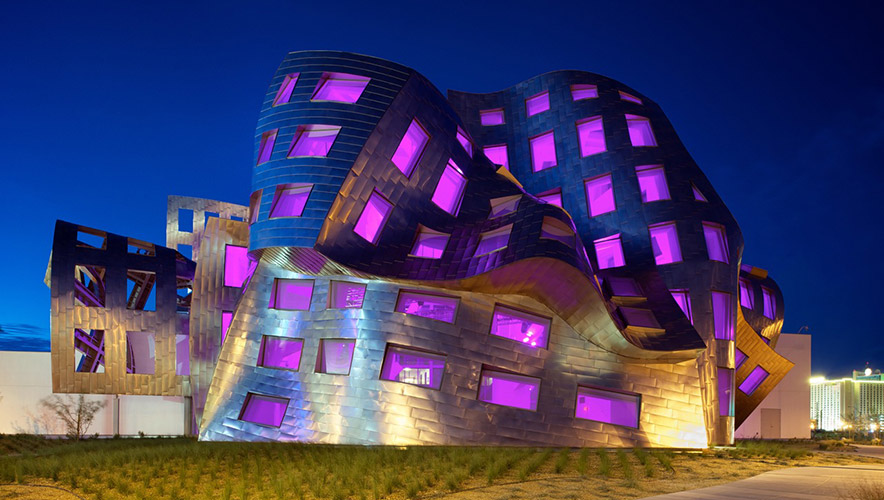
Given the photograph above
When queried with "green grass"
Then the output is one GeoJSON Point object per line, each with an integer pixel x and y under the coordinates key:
{"type": "Point", "coordinates": [604, 463]}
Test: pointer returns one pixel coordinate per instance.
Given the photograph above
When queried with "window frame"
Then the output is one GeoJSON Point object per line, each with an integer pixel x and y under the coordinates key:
{"type": "Point", "coordinates": [638, 406]}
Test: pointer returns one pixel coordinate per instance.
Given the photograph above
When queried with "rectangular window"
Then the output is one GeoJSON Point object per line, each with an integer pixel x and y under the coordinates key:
{"type": "Point", "coordinates": [141, 356]}
{"type": "Point", "coordinates": [289, 200]}
{"type": "Point", "coordinates": [722, 315]}
{"type": "Point", "coordinates": [185, 220]}
{"type": "Point", "coordinates": [508, 389]}
{"type": "Point", "coordinates": [346, 295]}
{"type": "Point", "coordinates": [755, 379]}
{"type": "Point", "coordinates": [141, 290]}
{"type": "Point", "coordinates": [264, 410]}
{"type": "Point", "coordinates": [683, 299]}
{"type": "Point", "coordinates": [606, 406]}
{"type": "Point", "coordinates": [291, 295]}
{"type": "Point", "coordinates": [89, 288]}
{"type": "Point", "coordinates": [739, 358]}
{"type": "Point", "coordinates": [313, 140]}
{"type": "Point", "coordinates": [664, 243]}
{"type": "Point", "coordinates": [429, 244]}
{"type": "Point", "coordinates": [623, 287]}
{"type": "Point", "coordinates": [493, 241]}
{"type": "Point", "coordinates": [284, 94]}
{"type": "Point", "coordinates": [335, 356]}
{"type": "Point", "coordinates": [497, 154]}
{"type": "Point", "coordinates": [280, 352]}
{"type": "Point", "coordinates": [725, 392]}
{"type": "Point", "coordinates": [236, 265]}
{"type": "Point", "coordinates": [716, 241]}
{"type": "Point", "coordinates": [629, 97]}
{"type": "Point", "coordinates": [582, 91]}
{"type": "Point", "coordinates": [489, 117]}
{"type": "Point", "coordinates": [770, 302]}
{"type": "Point", "coordinates": [182, 355]}
{"type": "Point", "coordinates": [553, 197]}
{"type": "Point", "coordinates": [554, 229]}
{"type": "Point", "coordinates": [465, 141]}
{"type": "Point", "coordinates": [265, 148]}
{"type": "Point", "coordinates": [226, 320]}
{"type": "Point", "coordinates": [543, 151]}
{"type": "Point", "coordinates": [591, 135]}
{"type": "Point", "coordinates": [254, 206]}
{"type": "Point", "coordinates": [414, 367]}
{"type": "Point", "coordinates": [340, 87]}
{"type": "Point", "coordinates": [504, 205]}
{"type": "Point", "coordinates": [438, 307]}
{"type": "Point", "coordinates": [186, 251]}
{"type": "Point", "coordinates": [537, 104]}
{"type": "Point", "coordinates": [373, 218]}
{"type": "Point", "coordinates": [746, 294]}
{"type": "Point", "coordinates": [209, 215]}
{"type": "Point", "coordinates": [139, 247]}
{"type": "Point", "coordinates": [640, 133]}
{"type": "Point", "coordinates": [525, 328]}
{"type": "Point", "coordinates": [89, 351]}
{"type": "Point", "coordinates": [639, 317]}
{"type": "Point", "coordinates": [410, 148]}
{"type": "Point", "coordinates": [93, 239]}
{"type": "Point", "coordinates": [609, 252]}
{"type": "Point", "coordinates": [450, 189]}
{"type": "Point", "coordinates": [652, 183]}
{"type": "Point", "coordinates": [600, 195]}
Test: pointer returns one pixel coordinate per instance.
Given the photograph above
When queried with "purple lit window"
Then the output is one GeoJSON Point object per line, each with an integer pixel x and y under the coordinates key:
{"type": "Point", "coordinates": [755, 378]}
{"type": "Point", "coordinates": [413, 367]}
{"type": "Point", "coordinates": [525, 328]}
{"type": "Point", "coordinates": [89, 288]}
{"type": "Point", "coordinates": [553, 197]}
{"type": "Point", "coordinates": [582, 91]}
{"type": "Point", "coordinates": [493, 241]}
{"type": "Point", "coordinates": [723, 315]}
{"type": "Point", "coordinates": [664, 243]}
{"type": "Point", "coordinates": [497, 155]}
{"type": "Point", "coordinates": [346, 295]}
{"type": "Point", "coordinates": [624, 287]}
{"type": "Point", "coordinates": [373, 218]}
{"type": "Point", "coordinates": [629, 97]}
{"type": "Point", "coordinates": [254, 206]}
{"type": "Point", "coordinates": [465, 141]}
{"type": "Point", "coordinates": [340, 87]}
{"type": "Point", "coordinates": [739, 358]}
{"type": "Point", "coordinates": [429, 244]}
{"type": "Point", "coordinates": [716, 241]}
{"type": "Point", "coordinates": [236, 265]}
{"type": "Point", "coordinates": [652, 183]}
{"type": "Point", "coordinates": [503, 206]}
{"type": "Point", "coordinates": [725, 392]}
{"type": "Point", "coordinates": [640, 133]}
{"type": "Point", "coordinates": [284, 94]}
{"type": "Point", "coordinates": [289, 200]}
{"type": "Point", "coordinates": [537, 104]}
{"type": "Point", "coordinates": [226, 319]}
{"type": "Point", "coordinates": [313, 140]}
{"type": "Point", "coordinates": [746, 294]}
{"type": "Point", "coordinates": [600, 195]}
{"type": "Point", "coordinates": [335, 356]}
{"type": "Point", "coordinates": [770, 302]}
{"type": "Point", "coordinates": [182, 355]}
{"type": "Point", "coordinates": [639, 317]}
{"type": "Point", "coordinates": [591, 135]}
{"type": "Point", "coordinates": [450, 189]}
{"type": "Point", "coordinates": [490, 117]}
{"type": "Point", "coordinates": [268, 139]}
{"type": "Point", "coordinates": [141, 353]}
{"type": "Point", "coordinates": [683, 299]}
{"type": "Point", "coordinates": [554, 229]}
{"type": "Point", "coordinates": [697, 194]}
{"type": "Point", "coordinates": [438, 307]}
{"type": "Point", "coordinates": [410, 148]}
{"type": "Point", "coordinates": [609, 252]}
{"type": "Point", "coordinates": [508, 389]}
{"type": "Point", "coordinates": [280, 352]}
{"type": "Point", "coordinates": [291, 295]}
{"type": "Point", "coordinates": [543, 151]}
{"type": "Point", "coordinates": [264, 410]}
{"type": "Point", "coordinates": [608, 406]}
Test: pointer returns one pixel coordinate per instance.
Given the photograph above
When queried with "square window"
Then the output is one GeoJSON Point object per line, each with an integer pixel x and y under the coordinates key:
{"type": "Point", "coordinates": [265, 148]}
{"type": "Point", "coordinates": [450, 189]}
{"type": "Point", "coordinates": [722, 316]}
{"type": "Point", "coordinates": [493, 241]}
{"type": "Point", "coordinates": [89, 351]}
{"type": "Point", "coordinates": [313, 140]}
{"type": "Point", "coordinates": [226, 320]}
{"type": "Point", "coordinates": [91, 239]}
{"type": "Point", "coordinates": [254, 206]}
{"type": "Point", "coordinates": [284, 94]}
{"type": "Point", "coordinates": [465, 141]}
{"type": "Point", "coordinates": [591, 135]}
{"type": "Point", "coordinates": [410, 366]}
{"type": "Point", "coordinates": [340, 87]}
{"type": "Point", "coordinates": [607, 406]}
{"type": "Point", "coordinates": [746, 294]}
{"type": "Point", "coordinates": [291, 295]}
{"type": "Point", "coordinates": [280, 352]}
{"type": "Point", "coordinates": [629, 97]}
{"type": "Point", "coordinates": [504, 205]}
{"type": "Point", "coordinates": [289, 200]}
{"type": "Point", "coordinates": [553, 197]}
{"type": "Point", "coordinates": [640, 133]}
{"type": "Point", "coordinates": [537, 104]}
{"type": "Point", "coordinates": [664, 243]}
{"type": "Point", "coordinates": [523, 327]}
{"type": "Point", "coordinates": [335, 356]}
{"type": "Point", "coordinates": [264, 410]}
{"type": "Point", "coordinates": [185, 220]}
{"type": "Point", "coordinates": [755, 379]}
{"type": "Point", "coordinates": [609, 252]}
{"type": "Point", "coordinates": [373, 217]}
{"type": "Point", "coordinates": [683, 299]}
{"type": "Point", "coordinates": [716, 241]}
{"type": "Point", "coordinates": [739, 358]}
{"type": "Point", "coordinates": [770, 302]}
{"type": "Point", "coordinates": [438, 307]}
{"type": "Point", "coordinates": [582, 91]}
{"type": "Point", "coordinates": [236, 265]}
{"type": "Point", "coordinates": [697, 194]}
{"type": "Point", "coordinates": [410, 148]}
{"type": "Point", "coordinates": [488, 117]}
{"type": "Point", "coordinates": [346, 295]}
{"type": "Point", "coordinates": [182, 355]}
{"type": "Point", "coordinates": [141, 356]}
{"type": "Point", "coordinates": [429, 244]}
{"type": "Point", "coordinates": [600, 195]}
{"type": "Point", "coordinates": [652, 183]}
{"type": "Point", "coordinates": [725, 392]}
{"type": "Point", "coordinates": [89, 288]}
{"type": "Point", "coordinates": [543, 151]}
{"type": "Point", "coordinates": [141, 290]}
{"type": "Point", "coordinates": [509, 389]}
{"type": "Point", "coordinates": [554, 229]}
{"type": "Point", "coordinates": [497, 154]}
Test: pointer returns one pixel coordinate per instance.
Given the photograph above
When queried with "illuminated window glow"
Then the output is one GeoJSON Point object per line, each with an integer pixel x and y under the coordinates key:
{"type": "Point", "coordinates": [438, 307]}
{"type": "Point", "coordinates": [600, 195]}
{"type": "Point", "coordinates": [410, 148]}
{"type": "Point", "coordinates": [335, 356]}
{"type": "Point", "coordinates": [373, 218]}
{"type": "Point", "coordinates": [268, 139]}
{"type": "Point", "coordinates": [429, 244]}
{"type": "Point", "coordinates": [591, 135]}
{"type": "Point", "coordinates": [716, 241]}
{"type": "Point", "coordinates": [537, 104]}
{"type": "Point", "coordinates": [554, 229]}
{"type": "Point", "coordinates": [414, 367]}
{"type": "Point", "coordinates": [490, 117]}
{"type": "Point", "coordinates": [746, 294]}
{"type": "Point", "coordinates": [465, 141]}
{"type": "Point", "coordinates": [756, 377]}
{"type": "Point", "coordinates": [313, 140]}
{"type": "Point", "coordinates": [739, 358]}
{"type": "Point", "coordinates": [508, 389]}
{"type": "Point", "coordinates": [340, 87]}
{"type": "Point", "coordinates": [683, 299]}
{"type": "Point", "coordinates": [226, 319]}
{"type": "Point", "coordinates": [497, 154]}
{"type": "Point", "coordinates": [629, 97]}
{"type": "Point", "coordinates": [553, 197]}
{"type": "Point", "coordinates": [522, 327]}
{"type": "Point", "coordinates": [291, 295]}
{"type": "Point", "coordinates": [543, 151]}
{"type": "Point", "coordinates": [450, 189]}
{"type": "Point", "coordinates": [284, 94]}
{"type": "Point", "coordinates": [697, 194]}
{"type": "Point", "coordinates": [582, 91]}
{"type": "Point", "coordinates": [236, 265]}
{"type": "Point", "coordinates": [264, 410]}
{"type": "Point", "coordinates": [664, 243]}
{"type": "Point", "coordinates": [652, 183]}
{"type": "Point", "coordinates": [346, 295]}
{"type": "Point", "coordinates": [725, 392]}
{"type": "Point", "coordinates": [770, 302]}
{"type": "Point", "coordinates": [609, 252]}
{"type": "Point", "coordinates": [289, 200]}
{"type": "Point", "coordinates": [609, 407]}
{"type": "Point", "coordinates": [640, 133]}
{"type": "Point", "coordinates": [493, 241]}
{"type": "Point", "coordinates": [722, 316]}
{"type": "Point", "coordinates": [280, 352]}
{"type": "Point", "coordinates": [504, 205]}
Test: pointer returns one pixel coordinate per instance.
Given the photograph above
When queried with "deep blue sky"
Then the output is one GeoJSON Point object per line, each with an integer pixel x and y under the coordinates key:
{"type": "Point", "coordinates": [108, 107]}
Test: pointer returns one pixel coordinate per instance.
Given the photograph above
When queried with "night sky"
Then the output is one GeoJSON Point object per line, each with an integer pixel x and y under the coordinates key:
{"type": "Point", "coordinates": [107, 108]}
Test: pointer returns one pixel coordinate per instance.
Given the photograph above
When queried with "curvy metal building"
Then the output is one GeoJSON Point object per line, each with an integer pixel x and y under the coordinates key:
{"type": "Point", "coordinates": [542, 265]}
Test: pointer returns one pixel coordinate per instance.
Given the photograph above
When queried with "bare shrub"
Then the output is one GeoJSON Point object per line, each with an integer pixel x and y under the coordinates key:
{"type": "Point", "coordinates": [76, 414]}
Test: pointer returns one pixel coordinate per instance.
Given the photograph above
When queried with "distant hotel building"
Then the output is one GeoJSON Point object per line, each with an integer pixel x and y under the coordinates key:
{"type": "Point", "coordinates": [834, 404]}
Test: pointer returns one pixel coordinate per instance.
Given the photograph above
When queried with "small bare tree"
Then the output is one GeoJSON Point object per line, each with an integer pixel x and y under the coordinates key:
{"type": "Point", "coordinates": [76, 414]}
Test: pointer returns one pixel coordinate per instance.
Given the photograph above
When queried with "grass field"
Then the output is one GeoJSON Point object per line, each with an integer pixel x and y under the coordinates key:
{"type": "Point", "coordinates": [179, 468]}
